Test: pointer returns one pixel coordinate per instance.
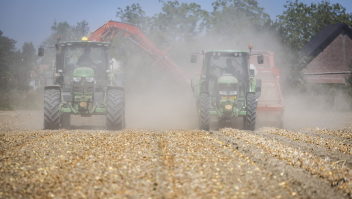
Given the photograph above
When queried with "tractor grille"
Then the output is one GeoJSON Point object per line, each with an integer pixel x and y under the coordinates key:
{"type": "Point", "coordinates": [227, 87]}
{"type": "Point", "coordinates": [83, 86]}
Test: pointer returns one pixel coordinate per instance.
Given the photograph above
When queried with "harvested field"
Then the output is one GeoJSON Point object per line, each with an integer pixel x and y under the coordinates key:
{"type": "Point", "coordinates": [87, 161]}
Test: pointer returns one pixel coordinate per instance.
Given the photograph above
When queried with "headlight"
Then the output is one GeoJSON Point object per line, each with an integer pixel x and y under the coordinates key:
{"type": "Point", "coordinates": [223, 92]}
{"type": "Point", "coordinates": [232, 92]}
{"type": "Point", "coordinates": [89, 79]}
{"type": "Point", "coordinates": [76, 79]}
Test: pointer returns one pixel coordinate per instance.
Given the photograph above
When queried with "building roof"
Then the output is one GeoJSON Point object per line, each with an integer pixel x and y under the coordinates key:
{"type": "Point", "coordinates": [225, 51]}
{"type": "Point", "coordinates": [323, 38]}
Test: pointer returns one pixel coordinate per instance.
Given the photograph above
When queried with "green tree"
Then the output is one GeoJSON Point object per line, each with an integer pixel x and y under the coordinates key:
{"type": "Point", "coordinates": [231, 17]}
{"type": "Point", "coordinates": [81, 29]}
{"type": "Point", "coordinates": [7, 55]}
{"type": "Point", "coordinates": [176, 22]}
{"type": "Point", "coordinates": [300, 22]}
{"type": "Point", "coordinates": [66, 32]}
{"type": "Point", "coordinates": [23, 66]}
{"type": "Point", "coordinates": [134, 14]}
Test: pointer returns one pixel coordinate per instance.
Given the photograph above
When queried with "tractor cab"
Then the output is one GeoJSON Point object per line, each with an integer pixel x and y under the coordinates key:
{"type": "Point", "coordinates": [226, 72]}
{"type": "Point", "coordinates": [84, 61]}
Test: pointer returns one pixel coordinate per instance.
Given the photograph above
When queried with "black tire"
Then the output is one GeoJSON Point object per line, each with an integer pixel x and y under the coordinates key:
{"type": "Point", "coordinates": [251, 111]}
{"type": "Point", "coordinates": [115, 109]}
{"type": "Point", "coordinates": [52, 109]}
{"type": "Point", "coordinates": [65, 120]}
{"type": "Point", "coordinates": [204, 109]}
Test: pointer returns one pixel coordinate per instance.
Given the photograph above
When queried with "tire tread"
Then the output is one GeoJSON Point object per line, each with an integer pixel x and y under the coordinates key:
{"type": "Point", "coordinates": [52, 109]}
{"type": "Point", "coordinates": [251, 111]}
{"type": "Point", "coordinates": [115, 116]}
{"type": "Point", "coordinates": [204, 111]}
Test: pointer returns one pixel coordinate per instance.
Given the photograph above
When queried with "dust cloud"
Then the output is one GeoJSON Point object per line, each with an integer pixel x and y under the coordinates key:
{"type": "Point", "coordinates": [155, 100]}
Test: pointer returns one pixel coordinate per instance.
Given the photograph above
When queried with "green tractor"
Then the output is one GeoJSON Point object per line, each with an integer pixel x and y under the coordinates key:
{"type": "Point", "coordinates": [84, 83]}
{"type": "Point", "coordinates": [226, 87]}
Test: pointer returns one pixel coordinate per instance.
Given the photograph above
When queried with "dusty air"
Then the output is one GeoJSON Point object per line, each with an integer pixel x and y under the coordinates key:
{"type": "Point", "coordinates": [223, 99]}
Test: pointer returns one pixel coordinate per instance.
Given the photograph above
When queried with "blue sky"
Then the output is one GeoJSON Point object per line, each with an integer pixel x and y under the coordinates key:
{"type": "Point", "coordinates": [30, 20]}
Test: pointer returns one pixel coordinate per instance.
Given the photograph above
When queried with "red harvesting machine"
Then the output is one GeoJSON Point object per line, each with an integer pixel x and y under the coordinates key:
{"type": "Point", "coordinates": [270, 106]}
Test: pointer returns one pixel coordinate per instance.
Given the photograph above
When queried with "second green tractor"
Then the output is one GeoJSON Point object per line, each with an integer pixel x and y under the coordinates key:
{"type": "Point", "coordinates": [227, 87]}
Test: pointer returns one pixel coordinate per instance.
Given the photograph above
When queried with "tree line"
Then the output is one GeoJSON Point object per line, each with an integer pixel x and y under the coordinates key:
{"type": "Point", "coordinates": [18, 66]}
{"type": "Point", "coordinates": [297, 24]}
{"type": "Point", "coordinates": [236, 23]}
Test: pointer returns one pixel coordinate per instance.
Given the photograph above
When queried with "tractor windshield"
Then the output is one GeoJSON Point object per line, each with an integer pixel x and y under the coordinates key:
{"type": "Point", "coordinates": [218, 64]}
{"type": "Point", "coordinates": [227, 65]}
{"type": "Point", "coordinates": [79, 56]}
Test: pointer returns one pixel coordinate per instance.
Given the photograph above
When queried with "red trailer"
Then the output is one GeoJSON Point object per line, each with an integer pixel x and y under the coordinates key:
{"type": "Point", "coordinates": [270, 106]}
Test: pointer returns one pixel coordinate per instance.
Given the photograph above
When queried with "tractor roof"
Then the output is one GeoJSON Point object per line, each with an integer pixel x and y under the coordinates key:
{"type": "Point", "coordinates": [84, 43]}
{"type": "Point", "coordinates": [225, 51]}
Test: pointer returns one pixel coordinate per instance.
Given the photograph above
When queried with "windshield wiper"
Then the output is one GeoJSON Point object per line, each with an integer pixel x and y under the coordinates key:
{"type": "Point", "coordinates": [73, 53]}
{"type": "Point", "coordinates": [237, 62]}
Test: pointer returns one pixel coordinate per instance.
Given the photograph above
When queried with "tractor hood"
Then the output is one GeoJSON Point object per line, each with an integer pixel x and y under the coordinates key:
{"type": "Point", "coordinates": [83, 72]}
{"type": "Point", "coordinates": [227, 79]}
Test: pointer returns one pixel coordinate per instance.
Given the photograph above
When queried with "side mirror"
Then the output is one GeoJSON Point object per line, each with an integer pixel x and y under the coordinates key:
{"type": "Point", "coordinates": [193, 58]}
{"type": "Point", "coordinates": [260, 59]}
{"type": "Point", "coordinates": [41, 52]}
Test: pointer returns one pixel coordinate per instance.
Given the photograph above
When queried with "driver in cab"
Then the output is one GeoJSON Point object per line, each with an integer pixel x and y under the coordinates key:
{"type": "Point", "coordinates": [85, 58]}
{"type": "Point", "coordinates": [231, 69]}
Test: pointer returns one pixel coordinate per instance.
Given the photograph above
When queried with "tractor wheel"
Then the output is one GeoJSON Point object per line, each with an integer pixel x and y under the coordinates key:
{"type": "Point", "coordinates": [204, 109]}
{"type": "Point", "coordinates": [65, 120]}
{"type": "Point", "coordinates": [52, 109]}
{"type": "Point", "coordinates": [115, 110]}
{"type": "Point", "coordinates": [251, 112]}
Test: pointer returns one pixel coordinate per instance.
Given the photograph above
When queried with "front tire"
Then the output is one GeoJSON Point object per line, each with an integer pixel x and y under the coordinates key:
{"type": "Point", "coordinates": [251, 112]}
{"type": "Point", "coordinates": [204, 109]}
{"type": "Point", "coordinates": [52, 109]}
{"type": "Point", "coordinates": [115, 116]}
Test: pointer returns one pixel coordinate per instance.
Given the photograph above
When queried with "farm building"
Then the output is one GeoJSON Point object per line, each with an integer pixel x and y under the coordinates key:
{"type": "Point", "coordinates": [330, 53]}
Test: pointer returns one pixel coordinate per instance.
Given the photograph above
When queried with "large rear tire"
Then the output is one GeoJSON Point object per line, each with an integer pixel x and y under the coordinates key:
{"type": "Point", "coordinates": [204, 109]}
{"type": "Point", "coordinates": [52, 109]}
{"type": "Point", "coordinates": [115, 113]}
{"type": "Point", "coordinates": [251, 111]}
{"type": "Point", "coordinates": [65, 120]}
